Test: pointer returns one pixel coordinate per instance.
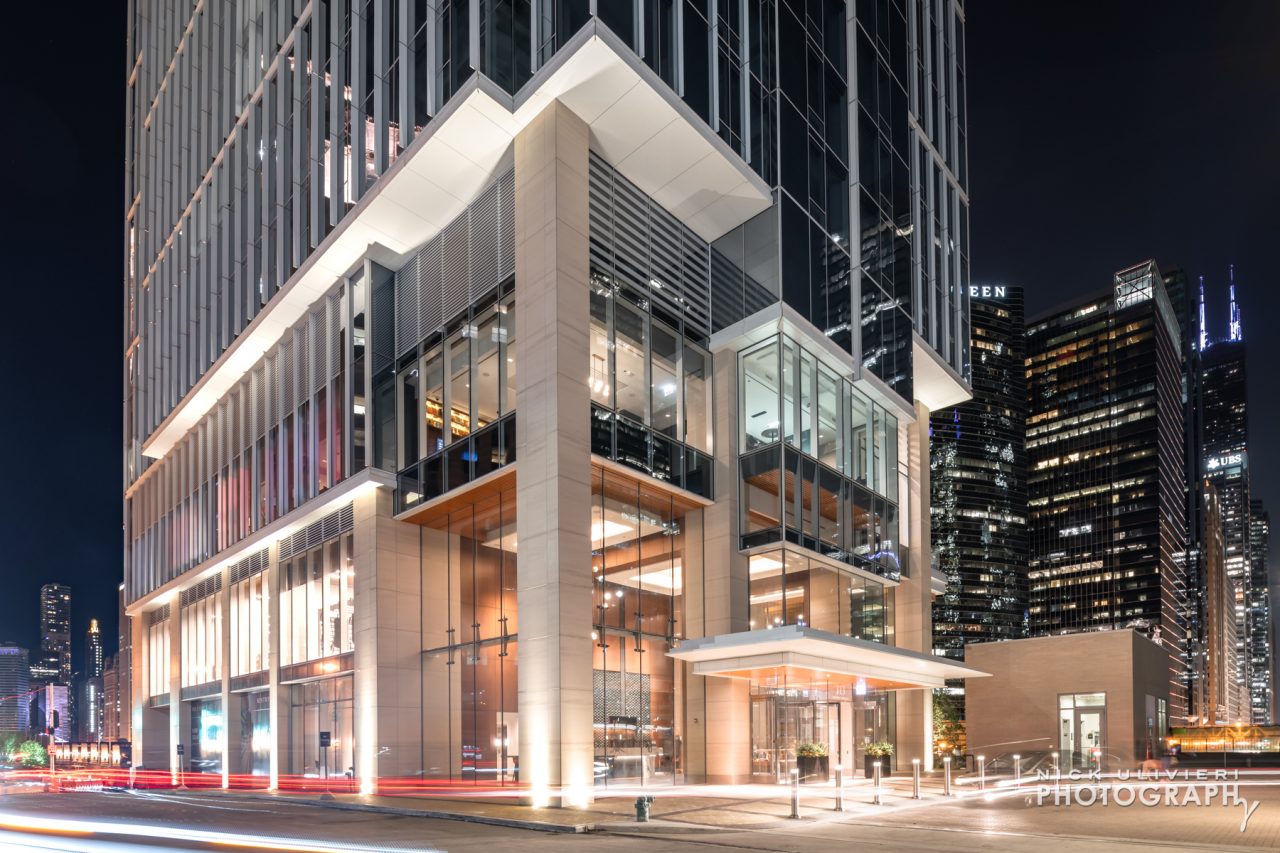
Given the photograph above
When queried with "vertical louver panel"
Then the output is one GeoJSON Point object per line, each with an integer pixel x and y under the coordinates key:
{"type": "Point", "coordinates": [482, 221]}
{"type": "Point", "coordinates": [506, 225]}
{"type": "Point", "coordinates": [430, 313]}
{"type": "Point", "coordinates": [408, 311]}
{"type": "Point", "coordinates": [455, 269]}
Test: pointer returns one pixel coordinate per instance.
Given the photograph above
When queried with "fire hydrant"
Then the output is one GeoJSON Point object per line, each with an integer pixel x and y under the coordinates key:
{"type": "Point", "coordinates": [642, 809]}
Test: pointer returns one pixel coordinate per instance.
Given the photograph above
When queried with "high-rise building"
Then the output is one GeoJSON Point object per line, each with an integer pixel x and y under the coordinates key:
{"type": "Point", "coordinates": [1105, 460]}
{"type": "Point", "coordinates": [55, 634]}
{"type": "Point", "coordinates": [978, 479]}
{"type": "Point", "coordinates": [1224, 402]}
{"type": "Point", "coordinates": [1223, 700]}
{"type": "Point", "coordinates": [93, 650]}
{"type": "Point", "coordinates": [15, 674]}
{"type": "Point", "coordinates": [1262, 637]}
{"type": "Point", "coordinates": [409, 283]}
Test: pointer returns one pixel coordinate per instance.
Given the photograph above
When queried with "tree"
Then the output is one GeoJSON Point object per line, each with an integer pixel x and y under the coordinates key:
{"type": "Point", "coordinates": [33, 754]}
{"type": "Point", "coordinates": [948, 725]}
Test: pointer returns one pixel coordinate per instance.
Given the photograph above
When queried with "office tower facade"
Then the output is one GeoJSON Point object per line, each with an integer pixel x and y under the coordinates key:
{"type": "Point", "coordinates": [626, 284]}
{"type": "Point", "coordinates": [978, 475]}
{"type": "Point", "coordinates": [1221, 699]}
{"type": "Point", "coordinates": [15, 674]}
{"type": "Point", "coordinates": [93, 650]}
{"type": "Point", "coordinates": [1224, 402]}
{"type": "Point", "coordinates": [1105, 465]}
{"type": "Point", "coordinates": [55, 634]}
{"type": "Point", "coordinates": [112, 709]}
{"type": "Point", "coordinates": [1262, 637]}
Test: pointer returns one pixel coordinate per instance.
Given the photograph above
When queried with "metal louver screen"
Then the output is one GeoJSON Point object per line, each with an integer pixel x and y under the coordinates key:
{"type": "Point", "coordinates": [471, 256]}
{"type": "Point", "coordinates": [207, 587]}
{"type": "Point", "coordinates": [334, 524]}
{"type": "Point", "coordinates": [642, 246]}
{"type": "Point", "coordinates": [251, 565]}
{"type": "Point", "coordinates": [161, 613]}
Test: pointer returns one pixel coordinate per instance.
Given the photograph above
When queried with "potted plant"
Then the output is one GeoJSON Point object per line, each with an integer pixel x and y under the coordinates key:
{"type": "Point", "coordinates": [880, 751]}
{"type": "Point", "coordinates": [811, 761]}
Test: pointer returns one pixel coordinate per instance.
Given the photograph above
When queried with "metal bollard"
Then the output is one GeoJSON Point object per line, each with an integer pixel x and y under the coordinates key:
{"type": "Point", "coordinates": [795, 794]}
{"type": "Point", "coordinates": [915, 778]}
{"type": "Point", "coordinates": [946, 776]}
{"type": "Point", "coordinates": [982, 773]}
{"type": "Point", "coordinates": [839, 788]}
{"type": "Point", "coordinates": [1017, 771]}
{"type": "Point", "coordinates": [876, 769]}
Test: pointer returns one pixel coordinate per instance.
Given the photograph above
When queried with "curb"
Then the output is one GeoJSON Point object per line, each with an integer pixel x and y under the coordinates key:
{"type": "Point", "coordinates": [489, 820]}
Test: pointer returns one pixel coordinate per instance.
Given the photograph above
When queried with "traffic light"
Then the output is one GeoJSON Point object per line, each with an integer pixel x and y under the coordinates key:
{"type": "Point", "coordinates": [53, 724]}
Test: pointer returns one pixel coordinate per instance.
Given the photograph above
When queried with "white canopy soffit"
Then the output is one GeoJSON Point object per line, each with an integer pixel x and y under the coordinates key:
{"type": "Point", "coordinates": [808, 654]}
{"type": "Point", "coordinates": [637, 123]}
{"type": "Point", "coordinates": [935, 382]}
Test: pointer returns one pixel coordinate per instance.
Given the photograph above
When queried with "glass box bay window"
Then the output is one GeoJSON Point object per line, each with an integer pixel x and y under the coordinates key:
{"type": "Point", "coordinates": [788, 587]}
{"type": "Point", "coordinates": [650, 389]}
{"type": "Point", "coordinates": [819, 463]}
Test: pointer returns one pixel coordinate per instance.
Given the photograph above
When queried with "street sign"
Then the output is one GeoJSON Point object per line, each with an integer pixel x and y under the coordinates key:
{"type": "Point", "coordinates": [181, 749]}
{"type": "Point", "coordinates": [325, 740]}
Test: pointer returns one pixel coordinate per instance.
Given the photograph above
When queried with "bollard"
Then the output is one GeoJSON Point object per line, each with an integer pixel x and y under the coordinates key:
{"type": "Point", "coordinates": [982, 773]}
{"type": "Point", "coordinates": [876, 769]}
{"type": "Point", "coordinates": [915, 778]}
{"type": "Point", "coordinates": [839, 788]}
{"type": "Point", "coordinates": [642, 809]}
{"type": "Point", "coordinates": [946, 776]}
{"type": "Point", "coordinates": [1017, 771]}
{"type": "Point", "coordinates": [795, 794]}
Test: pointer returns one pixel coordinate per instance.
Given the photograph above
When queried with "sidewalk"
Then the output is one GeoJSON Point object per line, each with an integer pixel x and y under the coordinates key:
{"type": "Point", "coordinates": [687, 808]}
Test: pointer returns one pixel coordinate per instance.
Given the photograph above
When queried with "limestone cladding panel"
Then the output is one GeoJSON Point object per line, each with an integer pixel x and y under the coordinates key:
{"type": "Point", "coordinates": [553, 488]}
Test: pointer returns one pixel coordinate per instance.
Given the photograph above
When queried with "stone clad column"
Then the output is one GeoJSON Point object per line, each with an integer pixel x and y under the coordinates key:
{"type": "Point", "coordinates": [913, 601]}
{"type": "Point", "coordinates": [553, 458]}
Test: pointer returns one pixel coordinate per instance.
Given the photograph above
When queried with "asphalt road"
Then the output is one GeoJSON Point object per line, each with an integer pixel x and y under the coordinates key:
{"type": "Point", "coordinates": [140, 821]}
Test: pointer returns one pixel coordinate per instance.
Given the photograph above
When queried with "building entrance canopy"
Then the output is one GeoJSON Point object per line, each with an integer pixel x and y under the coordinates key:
{"type": "Point", "coordinates": [797, 654]}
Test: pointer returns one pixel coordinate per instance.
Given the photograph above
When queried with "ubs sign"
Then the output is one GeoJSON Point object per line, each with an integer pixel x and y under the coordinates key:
{"type": "Point", "coordinates": [987, 291]}
{"type": "Point", "coordinates": [1226, 460]}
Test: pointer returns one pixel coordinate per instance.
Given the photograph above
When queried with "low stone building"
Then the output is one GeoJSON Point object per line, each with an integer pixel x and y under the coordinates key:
{"type": "Point", "coordinates": [1073, 694]}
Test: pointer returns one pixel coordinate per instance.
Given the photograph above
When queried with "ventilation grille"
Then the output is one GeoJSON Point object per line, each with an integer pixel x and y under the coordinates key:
{"type": "Point", "coordinates": [155, 617]}
{"type": "Point", "coordinates": [207, 587]}
{"type": "Point", "coordinates": [333, 524]}
{"type": "Point", "coordinates": [645, 248]}
{"type": "Point", "coordinates": [250, 566]}
{"type": "Point", "coordinates": [469, 258]}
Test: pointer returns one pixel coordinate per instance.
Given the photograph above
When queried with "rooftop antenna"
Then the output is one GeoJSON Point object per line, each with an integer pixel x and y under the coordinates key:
{"type": "Point", "coordinates": [1204, 329]}
{"type": "Point", "coordinates": [1235, 332]}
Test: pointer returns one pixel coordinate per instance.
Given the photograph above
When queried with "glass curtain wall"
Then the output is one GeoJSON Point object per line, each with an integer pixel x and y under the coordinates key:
{"type": "Point", "coordinates": [820, 464]}
{"type": "Point", "coordinates": [158, 658]}
{"type": "Point", "coordinates": [789, 588]}
{"type": "Point", "coordinates": [470, 720]}
{"type": "Point", "coordinates": [201, 641]}
{"type": "Point", "coordinates": [317, 602]}
{"type": "Point", "coordinates": [250, 625]}
{"type": "Point", "coordinates": [651, 391]}
{"type": "Point", "coordinates": [321, 706]}
{"type": "Point", "coordinates": [638, 541]}
{"type": "Point", "coordinates": [451, 394]}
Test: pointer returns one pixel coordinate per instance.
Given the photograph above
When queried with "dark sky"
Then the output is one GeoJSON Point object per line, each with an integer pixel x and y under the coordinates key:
{"type": "Point", "coordinates": [1101, 134]}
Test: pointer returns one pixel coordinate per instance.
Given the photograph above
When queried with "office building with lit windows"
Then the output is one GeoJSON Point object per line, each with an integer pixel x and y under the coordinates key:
{"type": "Point", "coordinates": [1105, 466]}
{"type": "Point", "coordinates": [54, 664]}
{"type": "Point", "coordinates": [1262, 635]}
{"type": "Point", "coordinates": [15, 676]}
{"type": "Point", "coordinates": [978, 475]}
{"type": "Point", "coordinates": [537, 395]}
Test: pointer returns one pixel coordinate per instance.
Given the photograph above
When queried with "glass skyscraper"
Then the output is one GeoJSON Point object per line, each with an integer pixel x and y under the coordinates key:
{"type": "Point", "coordinates": [498, 374]}
{"type": "Point", "coordinates": [978, 478]}
{"type": "Point", "coordinates": [1105, 456]}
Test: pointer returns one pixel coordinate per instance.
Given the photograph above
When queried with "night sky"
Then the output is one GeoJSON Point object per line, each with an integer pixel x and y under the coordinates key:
{"type": "Point", "coordinates": [1101, 134]}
